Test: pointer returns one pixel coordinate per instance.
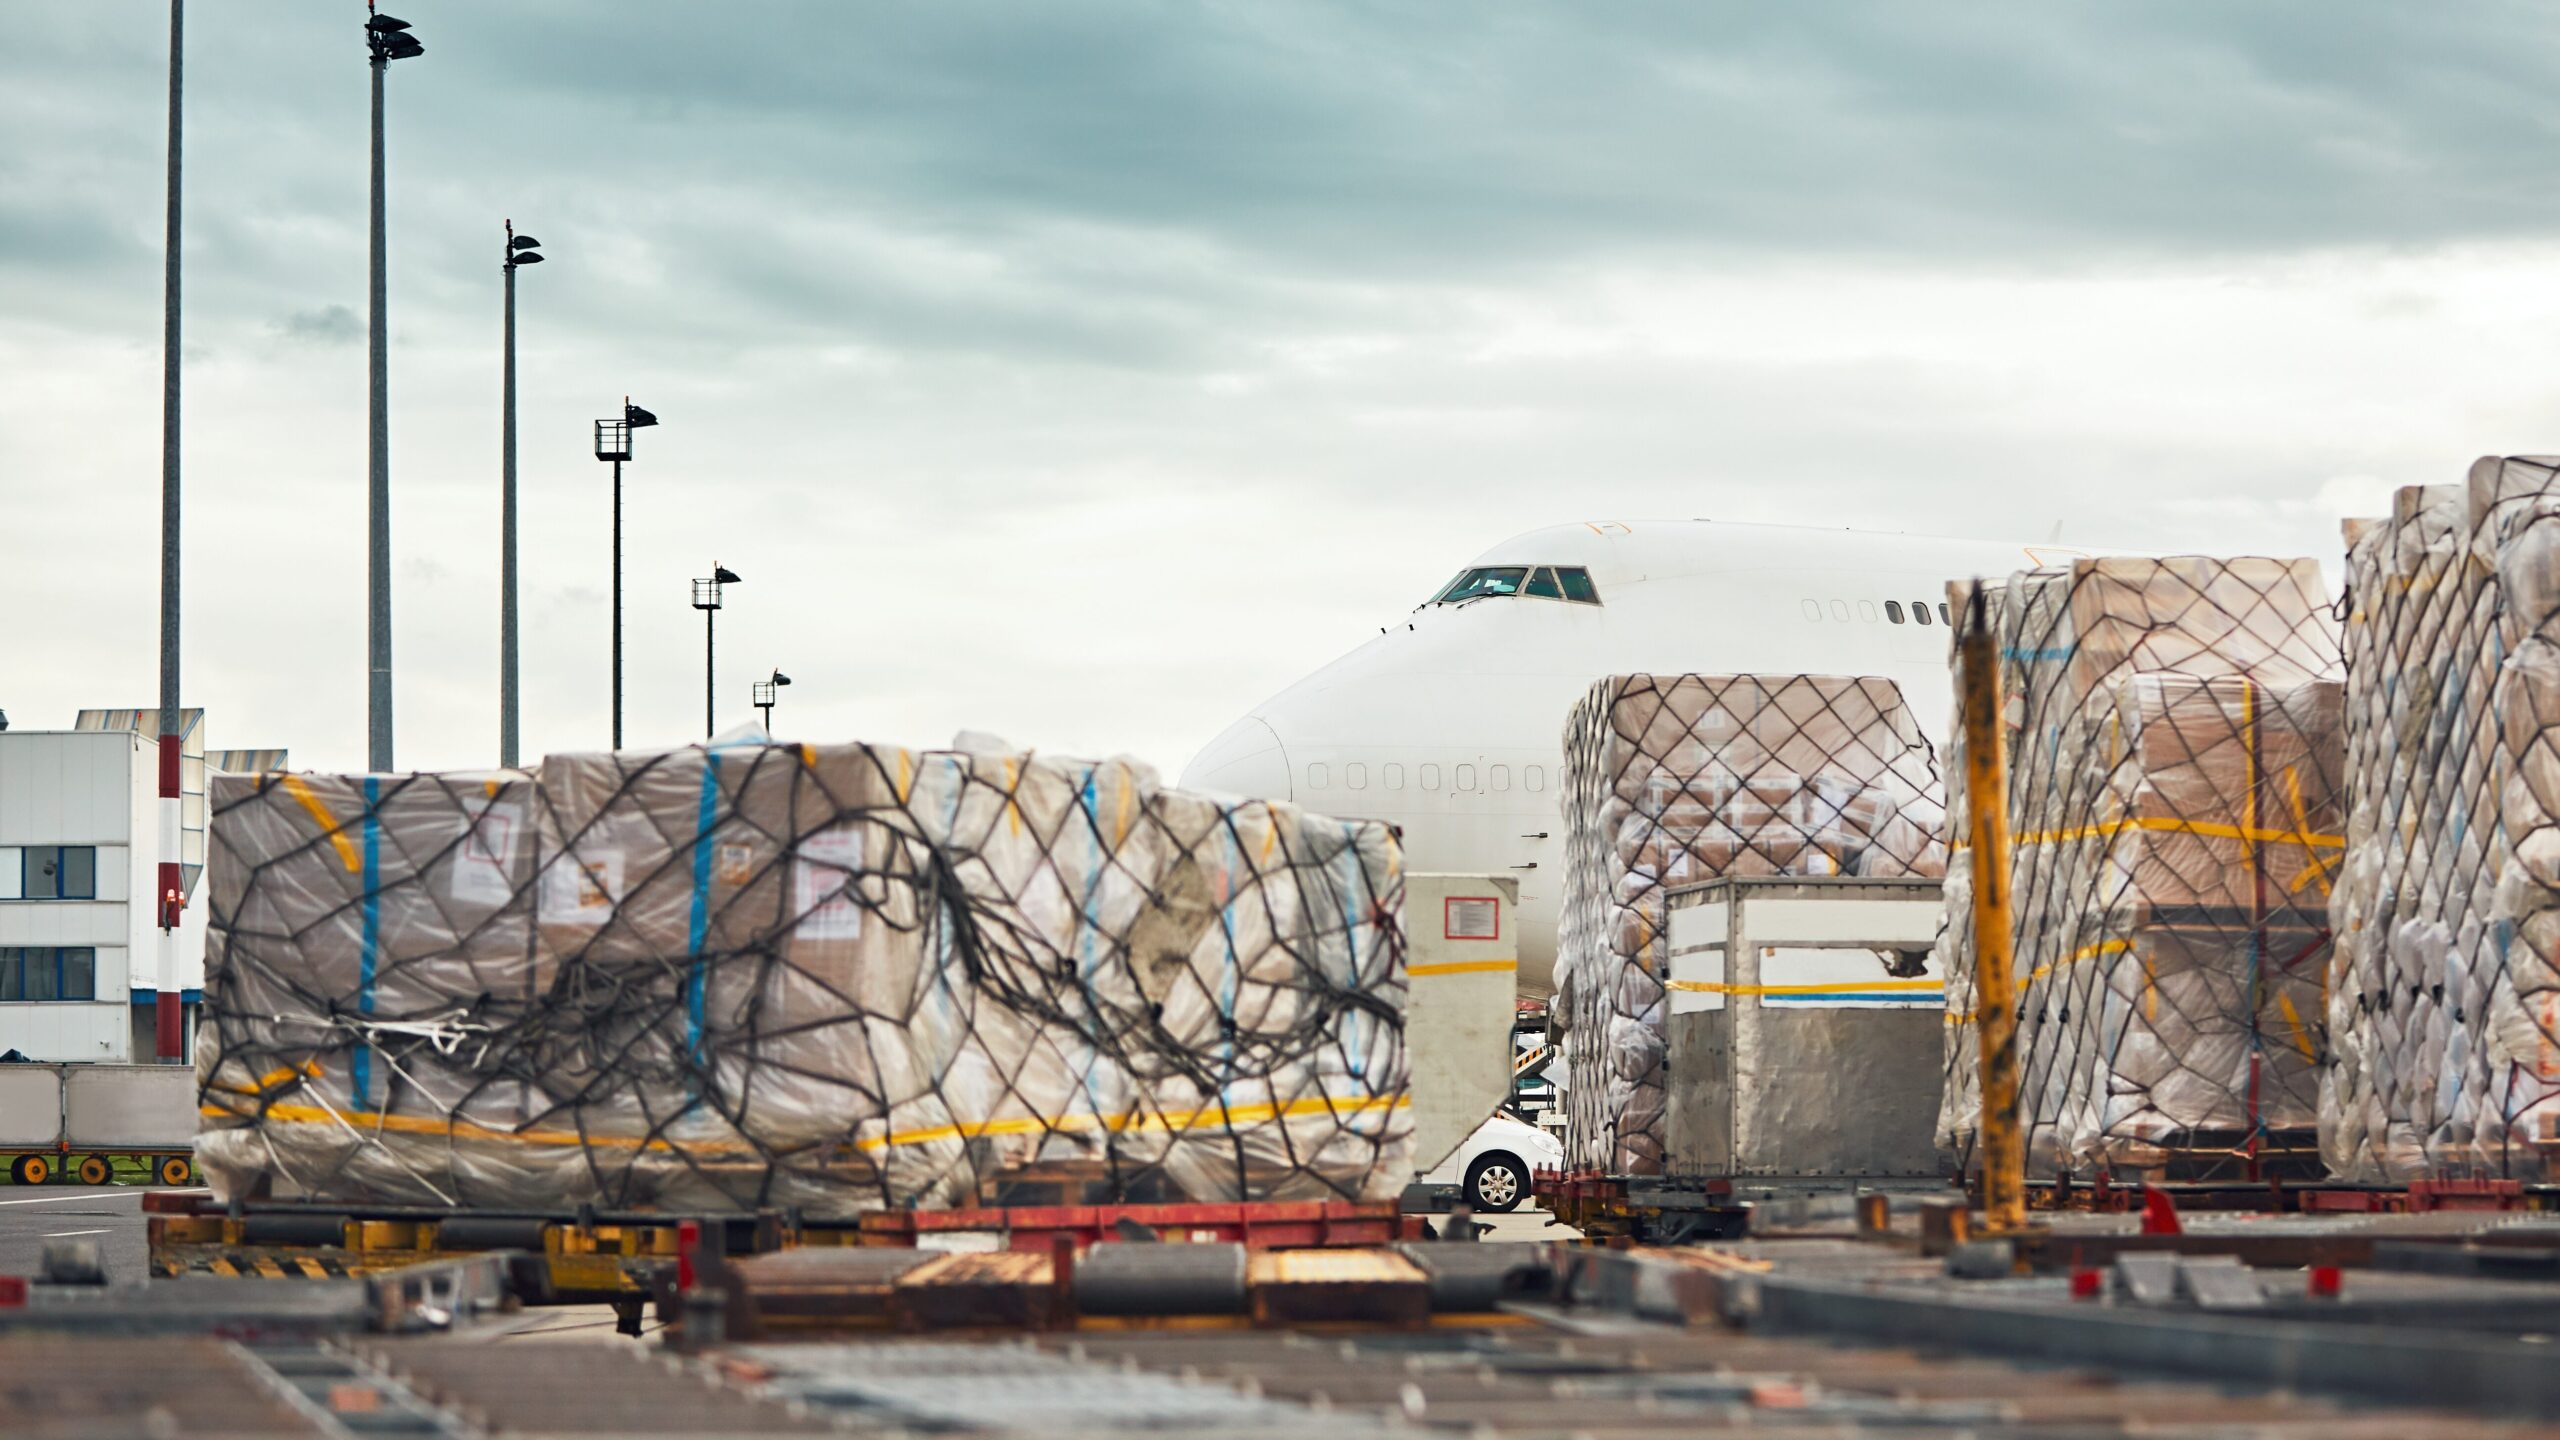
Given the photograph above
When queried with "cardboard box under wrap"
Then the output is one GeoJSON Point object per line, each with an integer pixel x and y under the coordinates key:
{"type": "Point", "coordinates": [1673, 780]}
{"type": "Point", "coordinates": [2175, 812]}
{"type": "Point", "coordinates": [841, 977]}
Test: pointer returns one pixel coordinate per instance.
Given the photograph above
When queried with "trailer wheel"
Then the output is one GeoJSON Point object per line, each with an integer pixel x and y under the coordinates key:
{"type": "Point", "coordinates": [1496, 1182]}
{"type": "Point", "coordinates": [94, 1170]}
{"type": "Point", "coordinates": [175, 1170]}
{"type": "Point", "coordinates": [31, 1169]}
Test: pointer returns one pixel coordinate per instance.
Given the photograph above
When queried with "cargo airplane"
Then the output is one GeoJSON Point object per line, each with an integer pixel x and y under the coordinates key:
{"type": "Point", "coordinates": [1450, 721]}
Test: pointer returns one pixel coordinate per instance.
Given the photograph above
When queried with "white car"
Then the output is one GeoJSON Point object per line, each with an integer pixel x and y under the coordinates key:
{"type": "Point", "coordinates": [1491, 1168]}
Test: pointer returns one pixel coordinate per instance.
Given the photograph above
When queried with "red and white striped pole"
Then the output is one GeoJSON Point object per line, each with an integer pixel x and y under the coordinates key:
{"type": "Point", "coordinates": [172, 889]}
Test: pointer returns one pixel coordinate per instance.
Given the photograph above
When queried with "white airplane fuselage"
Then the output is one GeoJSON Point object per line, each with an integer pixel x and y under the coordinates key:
{"type": "Point", "coordinates": [1450, 724]}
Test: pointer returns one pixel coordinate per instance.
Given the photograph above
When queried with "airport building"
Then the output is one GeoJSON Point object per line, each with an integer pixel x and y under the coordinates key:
{"type": "Point", "coordinates": [79, 851]}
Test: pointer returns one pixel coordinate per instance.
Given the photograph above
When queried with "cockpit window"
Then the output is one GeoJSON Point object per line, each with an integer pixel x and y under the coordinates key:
{"type": "Point", "coordinates": [1476, 584]}
{"type": "Point", "coordinates": [1544, 582]}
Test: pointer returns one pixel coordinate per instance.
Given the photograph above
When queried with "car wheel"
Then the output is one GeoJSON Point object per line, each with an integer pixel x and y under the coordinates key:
{"type": "Point", "coordinates": [1497, 1181]}
{"type": "Point", "coordinates": [30, 1170]}
{"type": "Point", "coordinates": [94, 1170]}
{"type": "Point", "coordinates": [175, 1170]}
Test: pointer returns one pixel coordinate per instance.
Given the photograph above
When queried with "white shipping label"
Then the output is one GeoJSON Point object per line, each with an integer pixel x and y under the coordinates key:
{"type": "Point", "coordinates": [484, 864]}
{"type": "Point", "coordinates": [582, 888]}
{"type": "Point", "coordinates": [1801, 978]}
{"type": "Point", "coordinates": [822, 881]}
{"type": "Point", "coordinates": [1468, 917]}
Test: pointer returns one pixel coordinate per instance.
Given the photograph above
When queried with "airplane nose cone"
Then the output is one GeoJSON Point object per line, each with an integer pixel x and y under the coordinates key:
{"type": "Point", "coordinates": [1247, 760]}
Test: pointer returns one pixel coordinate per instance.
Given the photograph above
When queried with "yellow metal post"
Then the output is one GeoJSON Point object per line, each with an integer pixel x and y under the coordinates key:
{"type": "Point", "coordinates": [1986, 764]}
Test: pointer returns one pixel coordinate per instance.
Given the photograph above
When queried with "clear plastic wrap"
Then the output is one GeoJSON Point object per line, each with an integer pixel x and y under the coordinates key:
{"type": "Point", "coordinates": [1672, 780]}
{"type": "Point", "coordinates": [2174, 808]}
{"type": "Point", "coordinates": [839, 977]}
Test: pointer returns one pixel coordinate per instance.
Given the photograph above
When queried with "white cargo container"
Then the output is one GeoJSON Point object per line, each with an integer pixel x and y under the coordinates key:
{"type": "Point", "coordinates": [76, 1121]}
{"type": "Point", "coordinates": [1806, 1029]}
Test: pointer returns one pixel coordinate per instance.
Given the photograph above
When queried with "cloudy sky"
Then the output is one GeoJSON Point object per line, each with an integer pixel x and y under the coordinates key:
{"type": "Point", "coordinates": [1083, 373]}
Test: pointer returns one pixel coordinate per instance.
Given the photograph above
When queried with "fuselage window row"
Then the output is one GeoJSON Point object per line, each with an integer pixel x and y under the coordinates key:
{"type": "Point", "coordinates": [1813, 611]}
{"type": "Point", "coordinates": [1355, 776]}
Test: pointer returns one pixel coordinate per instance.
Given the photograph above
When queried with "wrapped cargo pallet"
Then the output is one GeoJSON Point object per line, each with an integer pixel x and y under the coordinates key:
{"type": "Point", "coordinates": [2445, 1005]}
{"type": "Point", "coordinates": [839, 977]}
{"type": "Point", "coordinates": [1677, 779]}
{"type": "Point", "coordinates": [2175, 734]}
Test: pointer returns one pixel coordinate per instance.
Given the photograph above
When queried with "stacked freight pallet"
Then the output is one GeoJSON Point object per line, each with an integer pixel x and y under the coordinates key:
{"type": "Point", "coordinates": [840, 977]}
{"type": "Point", "coordinates": [1673, 780]}
{"type": "Point", "coordinates": [2445, 1009]}
{"type": "Point", "coordinates": [2175, 750]}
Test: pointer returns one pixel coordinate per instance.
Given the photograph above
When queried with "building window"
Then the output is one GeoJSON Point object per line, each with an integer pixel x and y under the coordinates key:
{"type": "Point", "coordinates": [1893, 611]}
{"type": "Point", "coordinates": [59, 872]}
{"type": "Point", "coordinates": [1430, 777]}
{"type": "Point", "coordinates": [1466, 780]}
{"type": "Point", "coordinates": [48, 973]}
{"type": "Point", "coordinates": [1318, 777]}
{"type": "Point", "coordinates": [1501, 777]}
{"type": "Point", "coordinates": [1356, 775]}
{"type": "Point", "coordinates": [1534, 777]}
{"type": "Point", "coordinates": [1920, 611]}
{"type": "Point", "coordinates": [1394, 775]}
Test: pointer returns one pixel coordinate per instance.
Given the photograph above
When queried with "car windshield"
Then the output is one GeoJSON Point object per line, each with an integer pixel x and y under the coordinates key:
{"type": "Point", "coordinates": [1476, 584]}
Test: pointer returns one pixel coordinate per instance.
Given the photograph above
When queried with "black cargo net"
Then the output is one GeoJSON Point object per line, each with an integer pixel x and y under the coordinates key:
{"type": "Point", "coordinates": [2174, 732]}
{"type": "Point", "coordinates": [2445, 1010]}
{"type": "Point", "coordinates": [1674, 780]}
{"type": "Point", "coordinates": [839, 978]}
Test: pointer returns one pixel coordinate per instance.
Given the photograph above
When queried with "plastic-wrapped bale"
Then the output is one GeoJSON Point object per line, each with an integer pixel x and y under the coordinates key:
{"type": "Point", "coordinates": [2175, 751]}
{"type": "Point", "coordinates": [2444, 1060]}
{"type": "Point", "coordinates": [838, 977]}
{"type": "Point", "coordinates": [2440, 1065]}
{"type": "Point", "coordinates": [1675, 780]}
{"type": "Point", "coordinates": [2520, 500]}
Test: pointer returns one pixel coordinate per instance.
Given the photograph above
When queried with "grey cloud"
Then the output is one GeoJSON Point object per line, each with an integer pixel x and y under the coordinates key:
{"type": "Point", "coordinates": [328, 325]}
{"type": "Point", "coordinates": [1156, 186]}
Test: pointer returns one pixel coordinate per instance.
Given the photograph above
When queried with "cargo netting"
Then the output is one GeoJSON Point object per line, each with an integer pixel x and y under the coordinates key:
{"type": "Point", "coordinates": [2175, 806]}
{"type": "Point", "coordinates": [2445, 1010]}
{"type": "Point", "coordinates": [1674, 780]}
{"type": "Point", "coordinates": [840, 978]}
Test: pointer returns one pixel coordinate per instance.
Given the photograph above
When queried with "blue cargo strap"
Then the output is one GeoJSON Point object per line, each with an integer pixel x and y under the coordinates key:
{"type": "Point", "coordinates": [363, 1066]}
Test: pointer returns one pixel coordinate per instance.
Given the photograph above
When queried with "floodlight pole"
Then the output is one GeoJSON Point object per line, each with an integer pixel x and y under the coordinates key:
{"type": "Point", "coordinates": [507, 693]}
{"type": "Point", "coordinates": [617, 598]}
{"type": "Point", "coordinates": [761, 695]}
{"type": "Point", "coordinates": [706, 598]}
{"type": "Point", "coordinates": [378, 486]}
{"type": "Point", "coordinates": [519, 252]}
{"type": "Point", "coordinates": [613, 443]}
{"type": "Point", "coordinates": [168, 1024]}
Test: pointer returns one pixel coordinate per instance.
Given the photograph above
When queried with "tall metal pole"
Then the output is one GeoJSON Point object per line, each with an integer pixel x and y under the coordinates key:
{"type": "Point", "coordinates": [378, 491]}
{"type": "Point", "coordinates": [167, 1023]}
{"type": "Point", "coordinates": [707, 617]}
{"type": "Point", "coordinates": [507, 526]}
{"type": "Point", "coordinates": [617, 597]}
{"type": "Point", "coordinates": [1995, 985]}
